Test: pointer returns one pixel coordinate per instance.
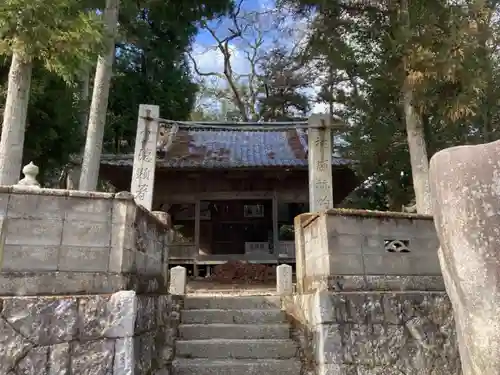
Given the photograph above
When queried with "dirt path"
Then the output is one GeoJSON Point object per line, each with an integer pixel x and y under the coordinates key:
{"type": "Point", "coordinates": [234, 288]}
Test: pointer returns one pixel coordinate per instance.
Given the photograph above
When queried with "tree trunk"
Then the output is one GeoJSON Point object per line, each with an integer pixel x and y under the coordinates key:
{"type": "Point", "coordinates": [84, 99]}
{"type": "Point", "coordinates": [99, 106]}
{"type": "Point", "coordinates": [74, 171]}
{"type": "Point", "coordinates": [14, 120]}
{"type": "Point", "coordinates": [418, 153]}
{"type": "Point", "coordinates": [415, 131]}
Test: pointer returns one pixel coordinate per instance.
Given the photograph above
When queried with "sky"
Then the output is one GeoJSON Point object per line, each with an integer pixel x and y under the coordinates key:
{"type": "Point", "coordinates": [209, 59]}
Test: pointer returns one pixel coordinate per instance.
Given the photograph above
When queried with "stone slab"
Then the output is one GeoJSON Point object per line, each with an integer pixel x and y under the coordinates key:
{"type": "Point", "coordinates": [233, 331]}
{"type": "Point", "coordinates": [235, 367]}
{"type": "Point", "coordinates": [218, 316]}
{"type": "Point", "coordinates": [232, 302]}
{"type": "Point", "coordinates": [238, 349]}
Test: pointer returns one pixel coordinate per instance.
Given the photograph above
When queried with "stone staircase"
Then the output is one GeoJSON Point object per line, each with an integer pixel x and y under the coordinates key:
{"type": "Point", "coordinates": [234, 335]}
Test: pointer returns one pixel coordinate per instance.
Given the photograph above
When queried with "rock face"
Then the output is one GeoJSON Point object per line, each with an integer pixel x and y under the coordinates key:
{"type": "Point", "coordinates": [465, 183]}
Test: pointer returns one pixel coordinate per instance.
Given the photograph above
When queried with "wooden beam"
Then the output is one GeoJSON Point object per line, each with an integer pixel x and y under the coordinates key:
{"type": "Point", "coordinates": [197, 211]}
{"type": "Point", "coordinates": [275, 224]}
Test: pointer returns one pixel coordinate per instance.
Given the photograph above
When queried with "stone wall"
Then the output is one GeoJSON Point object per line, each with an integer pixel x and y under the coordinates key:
{"type": "Point", "coordinates": [72, 242]}
{"type": "Point", "coordinates": [371, 297]}
{"type": "Point", "coordinates": [83, 285]}
{"type": "Point", "coordinates": [99, 334]}
{"type": "Point", "coordinates": [363, 250]}
{"type": "Point", "coordinates": [375, 333]}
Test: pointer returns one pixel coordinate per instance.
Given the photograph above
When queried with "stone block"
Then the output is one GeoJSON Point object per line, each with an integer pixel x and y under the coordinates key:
{"type": "Point", "coordinates": [92, 316]}
{"type": "Point", "coordinates": [284, 285]}
{"type": "Point", "coordinates": [425, 246]}
{"type": "Point", "coordinates": [42, 320]}
{"type": "Point", "coordinates": [374, 245]}
{"type": "Point", "coordinates": [59, 359]}
{"type": "Point", "coordinates": [351, 225]}
{"type": "Point", "coordinates": [57, 283]}
{"type": "Point", "coordinates": [92, 357]}
{"type": "Point", "coordinates": [153, 265]}
{"type": "Point", "coordinates": [36, 232]}
{"type": "Point", "coordinates": [336, 369]}
{"type": "Point", "coordinates": [90, 209]}
{"type": "Point", "coordinates": [124, 209]}
{"type": "Point", "coordinates": [327, 344]}
{"type": "Point", "coordinates": [345, 264]}
{"type": "Point", "coordinates": [396, 228]}
{"type": "Point", "coordinates": [29, 258]}
{"type": "Point", "coordinates": [122, 310]}
{"type": "Point", "coordinates": [345, 243]}
{"type": "Point", "coordinates": [146, 313]}
{"type": "Point", "coordinates": [4, 203]}
{"type": "Point", "coordinates": [400, 283]}
{"type": "Point", "coordinates": [34, 361]}
{"type": "Point", "coordinates": [37, 206]}
{"type": "Point", "coordinates": [140, 262]}
{"type": "Point", "coordinates": [178, 280]}
{"type": "Point", "coordinates": [122, 261]}
{"type": "Point", "coordinates": [81, 258]}
{"type": "Point", "coordinates": [123, 236]}
{"type": "Point", "coordinates": [401, 264]}
{"type": "Point", "coordinates": [144, 347]}
{"type": "Point", "coordinates": [124, 361]}
{"type": "Point", "coordinates": [84, 233]}
{"type": "Point", "coordinates": [13, 346]}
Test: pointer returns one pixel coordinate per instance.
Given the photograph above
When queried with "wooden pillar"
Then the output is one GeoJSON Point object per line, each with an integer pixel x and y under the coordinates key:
{"type": "Point", "coordinates": [143, 171]}
{"type": "Point", "coordinates": [275, 225]}
{"type": "Point", "coordinates": [320, 163]}
{"type": "Point", "coordinates": [197, 213]}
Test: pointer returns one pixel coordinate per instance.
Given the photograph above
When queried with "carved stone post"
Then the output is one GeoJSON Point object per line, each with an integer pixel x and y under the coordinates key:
{"type": "Point", "coordinates": [320, 163]}
{"type": "Point", "coordinates": [143, 172]}
{"type": "Point", "coordinates": [465, 184]}
{"type": "Point", "coordinates": [30, 171]}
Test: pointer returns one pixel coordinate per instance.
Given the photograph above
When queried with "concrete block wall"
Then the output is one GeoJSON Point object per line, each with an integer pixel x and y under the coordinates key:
{"type": "Point", "coordinates": [362, 250]}
{"type": "Point", "coordinates": [63, 241]}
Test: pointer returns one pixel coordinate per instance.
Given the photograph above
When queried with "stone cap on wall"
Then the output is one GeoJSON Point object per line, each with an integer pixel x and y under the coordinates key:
{"type": "Point", "coordinates": [310, 216]}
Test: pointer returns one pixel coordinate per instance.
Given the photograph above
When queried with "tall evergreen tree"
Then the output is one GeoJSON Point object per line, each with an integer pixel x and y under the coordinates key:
{"type": "Point", "coordinates": [58, 33]}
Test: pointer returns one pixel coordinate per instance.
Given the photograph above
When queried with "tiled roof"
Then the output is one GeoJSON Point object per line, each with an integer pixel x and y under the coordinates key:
{"type": "Point", "coordinates": [203, 148]}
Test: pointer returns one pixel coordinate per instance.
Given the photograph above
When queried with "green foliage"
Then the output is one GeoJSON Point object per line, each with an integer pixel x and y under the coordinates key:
{"type": "Point", "coordinates": [52, 129]}
{"type": "Point", "coordinates": [151, 67]}
{"type": "Point", "coordinates": [59, 33]}
{"type": "Point", "coordinates": [62, 38]}
{"type": "Point", "coordinates": [447, 54]}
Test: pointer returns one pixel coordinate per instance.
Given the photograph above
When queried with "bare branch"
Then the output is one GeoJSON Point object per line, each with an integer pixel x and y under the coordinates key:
{"type": "Point", "coordinates": [200, 73]}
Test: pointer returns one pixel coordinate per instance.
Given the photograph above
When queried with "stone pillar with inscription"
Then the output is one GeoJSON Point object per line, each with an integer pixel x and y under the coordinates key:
{"type": "Point", "coordinates": [143, 172]}
{"type": "Point", "coordinates": [320, 163]}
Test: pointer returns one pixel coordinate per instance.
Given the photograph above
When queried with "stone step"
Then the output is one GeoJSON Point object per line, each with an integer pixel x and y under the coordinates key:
{"type": "Point", "coordinates": [235, 367]}
{"type": "Point", "coordinates": [234, 331]}
{"type": "Point", "coordinates": [235, 349]}
{"type": "Point", "coordinates": [232, 302]}
{"type": "Point", "coordinates": [217, 316]}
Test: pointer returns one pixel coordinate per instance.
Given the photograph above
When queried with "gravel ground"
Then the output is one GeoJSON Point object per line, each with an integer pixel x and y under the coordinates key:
{"type": "Point", "coordinates": [235, 288]}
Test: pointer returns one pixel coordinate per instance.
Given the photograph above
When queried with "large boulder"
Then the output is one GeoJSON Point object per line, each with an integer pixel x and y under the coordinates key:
{"type": "Point", "coordinates": [465, 183]}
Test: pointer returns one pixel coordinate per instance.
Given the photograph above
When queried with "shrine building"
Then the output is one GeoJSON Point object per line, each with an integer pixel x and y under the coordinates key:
{"type": "Point", "coordinates": [232, 194]}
